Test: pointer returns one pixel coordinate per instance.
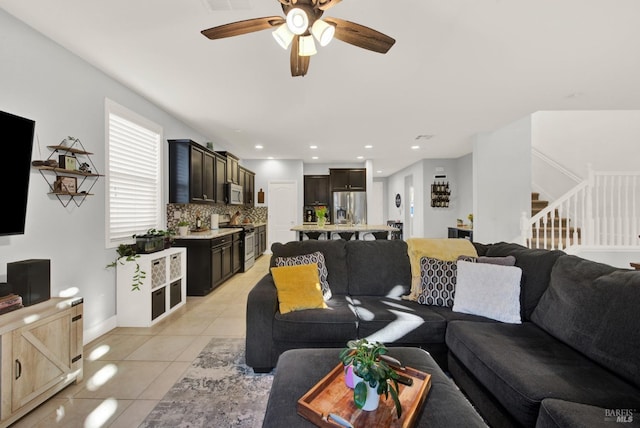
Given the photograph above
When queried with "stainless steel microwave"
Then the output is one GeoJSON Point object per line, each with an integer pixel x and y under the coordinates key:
{"type": "Point", "coordinates": [235, 194]}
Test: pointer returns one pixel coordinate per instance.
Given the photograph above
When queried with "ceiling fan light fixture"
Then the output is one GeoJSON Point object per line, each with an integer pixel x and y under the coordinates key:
{"type": "Point", "coordinates": [297, 20]}
{"type": "Point", "coordinates": [307, 46]}
{"type": "Point", "coordinates": [323, 32]}
{"type": "Point", "coordinates": [283, 36]}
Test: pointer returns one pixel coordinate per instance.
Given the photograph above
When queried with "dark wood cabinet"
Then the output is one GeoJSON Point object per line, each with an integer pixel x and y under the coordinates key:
{"type": "Point", "coordinates": [209, 262]}
{"type": "Point", "coordinates": [348, 179]}
{"type": "Point", "coordinates": [262, 233]}
{"type": "Point", "coordinates": [316, 190]}
{"type": "Point", "coordinates": [192, 173]}
{"type": "Point", "coordinates": [233, 167]}
{"type": "Point", "coordinates": [247, 181]}
{"type": "Point", "coordinates": [237, 253]}
{"type": "Point", "coordinates": [221, 179]}
{"type": "Point", "coordinates": [456, 232]}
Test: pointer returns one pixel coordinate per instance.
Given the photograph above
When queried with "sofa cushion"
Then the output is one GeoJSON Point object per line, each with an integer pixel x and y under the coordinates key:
{"type": "Point", "coordinates": [536, 265]}
{"type": "Point", "coordinates": [394, 320]}
{"type": "Point", "coordinates": [298, 287]}
{"type": "Point", "coordinates": [378, 268]}
{"type": "Point", "coordinates": [489, 290]}
{"type": "Point", "coordinates": [521, 364]}
{"type": "Point", "coordinates": [335, 256]}
{"type": "Point", "coordinates": [566, 414]}
{"type": "Point", "coordinates": [437, 248]}
{"type": "Point", "coordinates": [336, 323]}
{"type": "Point", "coordinates": [593, 307]}
{"type": "Point", "coordinates": [303, 259]}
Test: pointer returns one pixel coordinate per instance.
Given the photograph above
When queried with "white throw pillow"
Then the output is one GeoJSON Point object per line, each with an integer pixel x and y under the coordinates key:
{"type": "Point", "coordinates": [488, 290]}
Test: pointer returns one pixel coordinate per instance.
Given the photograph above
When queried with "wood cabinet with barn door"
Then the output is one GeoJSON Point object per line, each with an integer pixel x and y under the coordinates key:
{"type": "Point", "coordinates": [41, 353]}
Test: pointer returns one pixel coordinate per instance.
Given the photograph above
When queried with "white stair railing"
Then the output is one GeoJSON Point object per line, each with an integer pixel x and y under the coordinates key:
{"type": "Point", "coordinates": [603, 210]}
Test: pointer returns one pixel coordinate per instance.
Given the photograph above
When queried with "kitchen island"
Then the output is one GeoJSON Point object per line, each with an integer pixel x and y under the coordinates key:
{"type": "Point", "coordinates": [332, 231]}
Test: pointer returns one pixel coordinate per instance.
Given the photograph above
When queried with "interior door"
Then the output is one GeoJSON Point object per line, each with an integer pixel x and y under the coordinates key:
{"type": "Point", "coordinates": [283, 211]}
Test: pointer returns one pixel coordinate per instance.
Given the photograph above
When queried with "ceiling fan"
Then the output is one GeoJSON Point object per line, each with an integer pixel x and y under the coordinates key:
{"type": "Point", "coordinates": [302, 22]}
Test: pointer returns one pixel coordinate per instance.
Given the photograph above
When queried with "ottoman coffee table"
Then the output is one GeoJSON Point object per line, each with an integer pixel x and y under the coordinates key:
{"type": "Point", "coordinates": [299, 370]}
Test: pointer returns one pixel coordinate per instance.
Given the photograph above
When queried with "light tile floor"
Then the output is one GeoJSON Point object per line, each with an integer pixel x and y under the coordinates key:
{"type": "Point", "coordinates": [128, 370]}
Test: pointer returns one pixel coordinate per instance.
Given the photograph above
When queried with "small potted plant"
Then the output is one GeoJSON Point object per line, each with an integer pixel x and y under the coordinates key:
{"type": "Point", "coordinates": [373, 377]}
{"type": "Point", "coordinates": [127, 253]}
{"type": "Point", "coordinates": [183, 227]}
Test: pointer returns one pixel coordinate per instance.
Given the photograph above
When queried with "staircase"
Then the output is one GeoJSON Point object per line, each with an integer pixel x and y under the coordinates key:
{"type": "Point", "coordinates": [601, 211]}
{"type": "Point", "coordinates": [552, 228]}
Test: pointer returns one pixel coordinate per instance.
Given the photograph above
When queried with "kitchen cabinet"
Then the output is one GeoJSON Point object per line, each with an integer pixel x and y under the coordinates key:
{"type": "Point", "coordinates": [316, 190]}
{"type": "Point", "coordinates": [192, 173]}
{"type": "Point", "coordinates": [261, 240]}
{"type": "Point", "coordinates": [458, 232]}
{"type": "Point", "coordinates": [161, 291]}
{"type": "Point", "coordinates": [237, 253]}
{"type": "Point", "coordinates": [348, 179]}
{"type": "Point", "coordinates": [221, 179]}
{"type": "Point", "coordinates": [39, 357]}
{"type": "Point", "coordinates": [247, 181]}
{"type": "Point", "coordinates": [209, 262]}
{"type": "Point", "coordinates": [233, 167]}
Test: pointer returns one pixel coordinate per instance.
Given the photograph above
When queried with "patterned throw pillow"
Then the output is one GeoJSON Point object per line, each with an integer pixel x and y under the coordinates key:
{"type": "Point", "coordinates": [306, 259]}
{"type": "Point", "coordinates": [437, 282]}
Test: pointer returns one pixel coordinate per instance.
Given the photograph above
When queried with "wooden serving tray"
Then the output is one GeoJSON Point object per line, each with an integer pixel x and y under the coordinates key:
{"type": "Point", "coordinates": [331, 395]}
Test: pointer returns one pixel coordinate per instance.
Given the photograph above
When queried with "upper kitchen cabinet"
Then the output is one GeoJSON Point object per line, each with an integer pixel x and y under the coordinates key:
{"type": "Point", "coordinates": [192, 173]}
{"type": "Point", "coordinates": [316, 190]}
{"type": "Point", "coordinates": [247, 181]}
{"type": "Point", "coordinates": [221, 178]}
{"type": "Point", "coordinates": [349, 179]}
{"type": "Point", "coordinates": [233, 167]}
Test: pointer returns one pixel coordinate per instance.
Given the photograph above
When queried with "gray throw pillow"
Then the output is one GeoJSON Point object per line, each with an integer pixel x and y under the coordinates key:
{"type": "Point", "coordinates": [437, 282]}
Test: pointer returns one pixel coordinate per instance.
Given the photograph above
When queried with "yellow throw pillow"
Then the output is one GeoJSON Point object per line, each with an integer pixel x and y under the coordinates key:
{"type": "Point", "coordinates": [445, 249]}
{"type": "Point", "coordinates": [298, 287]}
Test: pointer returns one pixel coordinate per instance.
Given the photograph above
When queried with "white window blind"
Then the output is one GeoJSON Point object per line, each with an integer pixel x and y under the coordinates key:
{"type": "Point", "coordinates": [133, 175]}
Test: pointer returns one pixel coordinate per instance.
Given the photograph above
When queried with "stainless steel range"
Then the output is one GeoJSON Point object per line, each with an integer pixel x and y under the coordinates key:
{"type": "Point", "coordinates": [248, 243]}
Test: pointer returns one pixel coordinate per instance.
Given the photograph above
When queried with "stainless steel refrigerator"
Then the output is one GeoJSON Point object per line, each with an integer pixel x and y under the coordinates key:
{"type": "Point", "coordinates": [349, 208]}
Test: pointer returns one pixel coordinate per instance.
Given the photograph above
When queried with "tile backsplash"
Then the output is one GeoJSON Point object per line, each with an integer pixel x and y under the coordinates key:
{"type": "Point", "coordinates": [189, 212]}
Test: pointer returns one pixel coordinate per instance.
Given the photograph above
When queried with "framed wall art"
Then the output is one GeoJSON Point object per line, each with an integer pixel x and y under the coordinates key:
{"type": "Point", "coordinates": [66, 184]}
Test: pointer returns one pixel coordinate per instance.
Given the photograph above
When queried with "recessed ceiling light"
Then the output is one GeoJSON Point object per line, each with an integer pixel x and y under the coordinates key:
{"type": "Point", "coordinates": [415, 147]}
{"type": "Point", "coordinates": [360, 157]}
{"type": "Point", "coordinates": [313, 147]}
{"type": "Point", "coordinates": [379, 171]}
{"type": "Point", "coordinates": [314, 157]}
{"type": "Point", "coordinates": [368, 146]}
{"type": "Point", "coordinates": [259, 146]}
{"type": "Point", "coordinates": [270, 157]}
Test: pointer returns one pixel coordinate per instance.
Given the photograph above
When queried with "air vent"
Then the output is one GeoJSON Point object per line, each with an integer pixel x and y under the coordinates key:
{"type": "Point", "coordinates": [215, 5]}
{"type": "Point", "coordinates": [424, 137]}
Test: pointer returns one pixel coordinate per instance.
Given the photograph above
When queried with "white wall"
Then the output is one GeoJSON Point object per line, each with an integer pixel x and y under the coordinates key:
{"type": "Point", "coordinates": [609, 140]}
{"type": "Point", "coordinates": [65, 96]}
{"type": "Point", "coordinates": [502, 181]}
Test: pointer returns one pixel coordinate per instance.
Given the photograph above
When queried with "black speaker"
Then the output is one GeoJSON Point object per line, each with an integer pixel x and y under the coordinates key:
{"type": "Point", "coordinates": [31, 280]}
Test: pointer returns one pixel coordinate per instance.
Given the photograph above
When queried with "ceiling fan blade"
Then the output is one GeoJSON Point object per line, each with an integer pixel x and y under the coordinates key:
{"type": "Point", "coordinates": [327, 4]}
{"type": "Point", "coordinates": [299, 64]}
{"type": "Point", "coordinates": [243, 27]}
{"type": "Point", "coordinates": [361, 36]}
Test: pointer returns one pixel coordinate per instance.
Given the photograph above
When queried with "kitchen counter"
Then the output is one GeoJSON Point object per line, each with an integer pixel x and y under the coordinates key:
{"type": "Point", "coordinates": [210, 234]}
{"type": "Point", "coordinates": [329, 230]}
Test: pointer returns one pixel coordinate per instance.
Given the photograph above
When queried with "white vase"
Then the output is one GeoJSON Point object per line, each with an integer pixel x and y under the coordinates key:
{"type": "Point", "coordinates": [373, 398]}
{"type": "Point", "coordinates": [183, 230]}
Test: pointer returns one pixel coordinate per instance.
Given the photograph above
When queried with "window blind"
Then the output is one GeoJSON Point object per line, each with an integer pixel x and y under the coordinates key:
{"type": "Point", "coordinates": [134, 165]}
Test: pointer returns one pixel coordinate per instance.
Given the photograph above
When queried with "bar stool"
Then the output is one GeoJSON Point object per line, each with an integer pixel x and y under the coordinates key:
{"type": "Point", "coordinates": [345, 235]}
{"type": "Point", "coordinates": [380, 235]}
{"type": "Point", "coordinates": [313, 235]}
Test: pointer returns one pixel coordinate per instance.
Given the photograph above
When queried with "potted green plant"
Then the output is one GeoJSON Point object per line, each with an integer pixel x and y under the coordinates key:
{"type": "Point", "coordinates": [153, 240]}
{"type": "Point", "coordinates": [183, 227]}
{"type": "Point", "coordinates": [373, 376]}
{"type": "Point", "coordinates": [127, 253]}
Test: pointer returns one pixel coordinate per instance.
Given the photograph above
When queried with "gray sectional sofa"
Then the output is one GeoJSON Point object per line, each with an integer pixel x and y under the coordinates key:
{"type": "Point", "coordinates": [573, 361]}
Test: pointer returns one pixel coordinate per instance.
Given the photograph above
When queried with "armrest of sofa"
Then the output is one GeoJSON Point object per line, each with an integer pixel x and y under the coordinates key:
{"type": "Point", "coordinates": [262, 305]}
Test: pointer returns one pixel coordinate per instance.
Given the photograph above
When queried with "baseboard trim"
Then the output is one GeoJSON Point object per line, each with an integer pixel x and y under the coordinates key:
{"type": "Point", "coordinates": [96, 331]}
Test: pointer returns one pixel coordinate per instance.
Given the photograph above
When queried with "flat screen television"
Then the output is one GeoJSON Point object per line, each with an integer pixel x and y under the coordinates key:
{"type": "Point", "coordinates": [16, 134]}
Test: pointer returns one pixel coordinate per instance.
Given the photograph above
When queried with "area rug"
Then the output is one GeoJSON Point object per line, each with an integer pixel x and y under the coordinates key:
{"type": "Point", "coordinates": [218, 390]}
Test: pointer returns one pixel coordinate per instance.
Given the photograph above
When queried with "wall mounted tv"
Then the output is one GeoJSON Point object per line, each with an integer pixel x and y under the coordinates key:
{"type": "Point", "coordinates": [17, 139]}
